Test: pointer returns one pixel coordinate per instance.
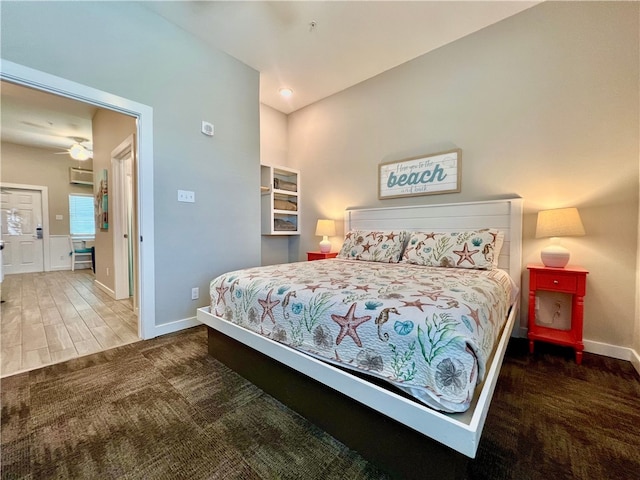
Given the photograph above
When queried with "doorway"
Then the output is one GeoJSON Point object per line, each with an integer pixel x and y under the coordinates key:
{"type": "Point", "coordinates": [122, 163]}
{"type": "Point", "coordinates": [28, 77]}
{"type": "Point", "coordinates": [23, 228]}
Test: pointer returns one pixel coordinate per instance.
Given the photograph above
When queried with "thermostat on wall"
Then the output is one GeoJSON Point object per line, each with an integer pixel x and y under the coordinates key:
{"type": "Point", "coordinates": [207, 128]}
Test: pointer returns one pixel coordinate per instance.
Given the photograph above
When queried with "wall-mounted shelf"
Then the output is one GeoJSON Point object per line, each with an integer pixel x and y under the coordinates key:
{"type": "Point", "coordinates": [280, 189]}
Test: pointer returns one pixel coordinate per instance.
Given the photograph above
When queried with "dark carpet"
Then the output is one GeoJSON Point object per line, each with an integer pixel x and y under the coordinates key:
{"type": "Point", "coordinates": [164, 409]}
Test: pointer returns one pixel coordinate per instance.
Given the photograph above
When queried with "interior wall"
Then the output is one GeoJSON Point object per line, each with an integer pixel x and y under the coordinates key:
{"type": "Point", "coordinates": [544, 105]}
{"type": "Point", "coordinates": [274, 151]}
{"type": "Point", "coordinates": [38, 166]}
{"type": "Point", "coordinates": [131, 52]}
{"type": "Point", "coordinates": [110, 129]}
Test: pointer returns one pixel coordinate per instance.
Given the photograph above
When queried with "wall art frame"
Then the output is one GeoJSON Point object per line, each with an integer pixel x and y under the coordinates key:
{"type": "Point", "coordinates": [423, 175]}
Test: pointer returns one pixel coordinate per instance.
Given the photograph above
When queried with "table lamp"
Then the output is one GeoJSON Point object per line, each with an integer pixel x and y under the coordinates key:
{"type": "Point", "coordinates": [559, 222]}
{"type": "Point", "coordinates": [325, 229]}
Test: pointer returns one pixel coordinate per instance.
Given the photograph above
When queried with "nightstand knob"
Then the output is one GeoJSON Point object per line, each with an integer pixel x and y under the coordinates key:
{"type": "Point", "coordinates": [555, 282]}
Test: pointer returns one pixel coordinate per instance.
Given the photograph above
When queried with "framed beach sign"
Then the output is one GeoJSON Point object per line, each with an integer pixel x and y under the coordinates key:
{"type": "Point", "coordinates": [424, 175]}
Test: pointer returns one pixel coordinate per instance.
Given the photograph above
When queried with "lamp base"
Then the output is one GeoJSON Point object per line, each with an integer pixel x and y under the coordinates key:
{"type": "Point", "coordinates": [555, 256]}
{"type": "Point", "coordinates": [325, 245]}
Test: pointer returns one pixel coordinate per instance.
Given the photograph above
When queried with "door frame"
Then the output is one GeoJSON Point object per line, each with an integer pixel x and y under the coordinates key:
{"type": "Point", "coordinates": [120, 273]}
{"type": "Point", "coordinates": [44, 203]}
{"type": "Point", "coordinates": [29, 77]}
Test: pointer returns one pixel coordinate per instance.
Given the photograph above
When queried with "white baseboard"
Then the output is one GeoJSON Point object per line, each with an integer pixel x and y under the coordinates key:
{"type": "Point", "coordinates": [599, 348]}
{"type": "Point", "coordinates": [175, 326]}
{"type": "Point", "coordinates": [105, 289]}
{"type": "Point", "coordinates": [613, 351]}
{"type": "Point", "coordinates": [635, 360]}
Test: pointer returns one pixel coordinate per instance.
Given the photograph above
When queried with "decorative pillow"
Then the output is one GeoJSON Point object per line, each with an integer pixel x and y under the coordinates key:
{"type": "Point", "coordinates": [473, 249]}
{"type": "Point", "coordinates": [373, 246]}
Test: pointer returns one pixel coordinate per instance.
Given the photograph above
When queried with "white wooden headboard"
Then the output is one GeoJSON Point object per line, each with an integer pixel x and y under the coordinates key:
{"type": "Point", "coordinates": [504, 215]}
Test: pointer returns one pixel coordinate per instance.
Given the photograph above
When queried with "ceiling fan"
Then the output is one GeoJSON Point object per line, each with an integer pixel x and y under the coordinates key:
{"type": "Point", "coordinates": [77, 150]}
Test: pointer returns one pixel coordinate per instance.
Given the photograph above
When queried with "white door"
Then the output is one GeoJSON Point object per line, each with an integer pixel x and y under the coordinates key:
{"type": "Point", "coordinates": [22, 231]}
{"type": "Point", "coordinates": [122, 194]}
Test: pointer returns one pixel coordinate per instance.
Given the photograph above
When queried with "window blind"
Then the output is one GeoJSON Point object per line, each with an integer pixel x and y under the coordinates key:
{"type": "Point", "coordinates": [81, 219]}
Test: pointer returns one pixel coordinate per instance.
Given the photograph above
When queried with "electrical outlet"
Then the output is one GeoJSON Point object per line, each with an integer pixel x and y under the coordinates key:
{"type": "Point", "coordinates": [195, 293]}
{"type": "Point", "coordinates": [186, 196]}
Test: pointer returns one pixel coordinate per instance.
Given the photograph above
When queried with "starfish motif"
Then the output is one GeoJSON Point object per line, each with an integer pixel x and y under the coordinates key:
{"type": "Point", "coordinates": [391, 235]}
{"type": "Point", "coordinates": [415, 303]}
{"type": "Point", "coordinates": [465, 254]}
{"type": "Point", "coordinates": [431, 235]}
{"type": "Point", "coordinates": [221, 291]}
{"type": "Point", "coordinates": [365, 248]}
{"type": "Point", "coordinates": [348, 235]}
{"type": "Point", "coordinates": [433, 295]}
{"type": "Point", "coordinates": [348, 324]}
{"type": "Point", "coordinates": [313, 288]}
{"type": "Point", "coordinates": [474, 314]}
{"type": "Point", "coordinates": [363, 287]}
{"type": "Point", "coordinates": [267, 307]}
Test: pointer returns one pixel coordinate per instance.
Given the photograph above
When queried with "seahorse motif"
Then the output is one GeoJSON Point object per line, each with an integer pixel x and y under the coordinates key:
{"type": "Point", "coordinates": [285, 303]}
{"type": "Point", "coordinates": [382, 319]}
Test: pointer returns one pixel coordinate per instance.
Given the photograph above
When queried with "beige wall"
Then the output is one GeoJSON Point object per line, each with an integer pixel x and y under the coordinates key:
{"type": "Point", "coordinates": [110, 129]}
{"type": "Point", "coordinates": [544, 105]}
{"type": "Point", "coordinates": [37, 166]}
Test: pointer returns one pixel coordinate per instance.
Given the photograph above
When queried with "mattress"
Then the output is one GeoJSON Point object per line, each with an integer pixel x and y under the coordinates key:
{"type": "Point", "coordinates": [427, 331]}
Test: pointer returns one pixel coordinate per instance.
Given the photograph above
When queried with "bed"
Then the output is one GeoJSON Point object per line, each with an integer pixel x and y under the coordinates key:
{"type": "Point", "coordinates": [385, 421]}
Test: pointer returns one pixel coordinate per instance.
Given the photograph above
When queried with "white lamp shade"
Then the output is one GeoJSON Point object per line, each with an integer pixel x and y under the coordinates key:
{"type": "Point", "coordinates": [559, 222]}
{"type": "Point", "coordinates": [325, 229]}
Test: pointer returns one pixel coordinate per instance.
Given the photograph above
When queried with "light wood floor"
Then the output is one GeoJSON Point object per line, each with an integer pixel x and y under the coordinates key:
{"type": "Point", "coordinates": [55, 316]}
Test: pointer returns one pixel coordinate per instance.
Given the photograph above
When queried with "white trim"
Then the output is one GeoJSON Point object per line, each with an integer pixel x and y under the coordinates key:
{"type": "Point", "coordinates": [105, 289]}
{"type": "Point", "coordinates": [32, 78]}
{"type": "Point", "coordinates": [176, 326]}
{"type": "Point", "coordinates": [635, 360]}
{"type": "Point", "coordinates": [608, 350]}
{"type": "Point", "coordinates": [44, 195]}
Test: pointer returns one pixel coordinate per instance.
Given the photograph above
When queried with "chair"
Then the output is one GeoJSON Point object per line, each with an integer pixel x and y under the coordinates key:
{"type": "Point", "coordinates": [80, 256]}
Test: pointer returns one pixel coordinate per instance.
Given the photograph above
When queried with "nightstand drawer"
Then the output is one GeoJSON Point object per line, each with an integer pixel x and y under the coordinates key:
{"type": "Point", "coordinates": [554, 281]}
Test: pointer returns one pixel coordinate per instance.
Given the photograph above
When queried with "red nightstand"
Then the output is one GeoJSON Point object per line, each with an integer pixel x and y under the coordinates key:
{"type": "Point", "coordinates": [320, 255]}
{"type": "Point", "coordinates": [570, 280]}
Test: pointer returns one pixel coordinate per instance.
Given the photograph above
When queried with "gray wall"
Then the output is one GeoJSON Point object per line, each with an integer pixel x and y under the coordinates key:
{"type": "Point", "coordinates": [544, 105]}
{"type": "Point", "coordinates": [126, 50]}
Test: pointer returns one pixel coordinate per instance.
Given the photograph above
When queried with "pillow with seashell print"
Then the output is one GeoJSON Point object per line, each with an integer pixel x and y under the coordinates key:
{"type": "Point", "coordinates": [374, 246]}
{"type": "Point", "coordinates": [476, 249]}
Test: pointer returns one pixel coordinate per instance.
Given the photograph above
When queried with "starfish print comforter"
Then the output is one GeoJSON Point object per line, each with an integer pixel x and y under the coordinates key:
{"type": "Point", "coordinates": [429, 331]}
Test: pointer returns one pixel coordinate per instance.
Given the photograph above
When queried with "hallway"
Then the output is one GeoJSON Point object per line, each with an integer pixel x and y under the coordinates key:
{"type": "Point", "coordinates": [55, 316]}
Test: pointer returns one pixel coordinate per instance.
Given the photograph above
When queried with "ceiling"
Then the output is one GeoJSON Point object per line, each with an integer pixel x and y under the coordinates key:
{"type": "Point", "coordinates": [316, 48]}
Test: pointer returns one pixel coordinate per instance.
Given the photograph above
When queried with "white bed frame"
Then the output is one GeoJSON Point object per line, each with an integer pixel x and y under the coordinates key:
{"type": "Point", "coordinates": [460, 432]}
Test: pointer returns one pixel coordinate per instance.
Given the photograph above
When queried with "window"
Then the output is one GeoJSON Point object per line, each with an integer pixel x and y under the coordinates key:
{"type": "Point", "coordinates": [81, 214]}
